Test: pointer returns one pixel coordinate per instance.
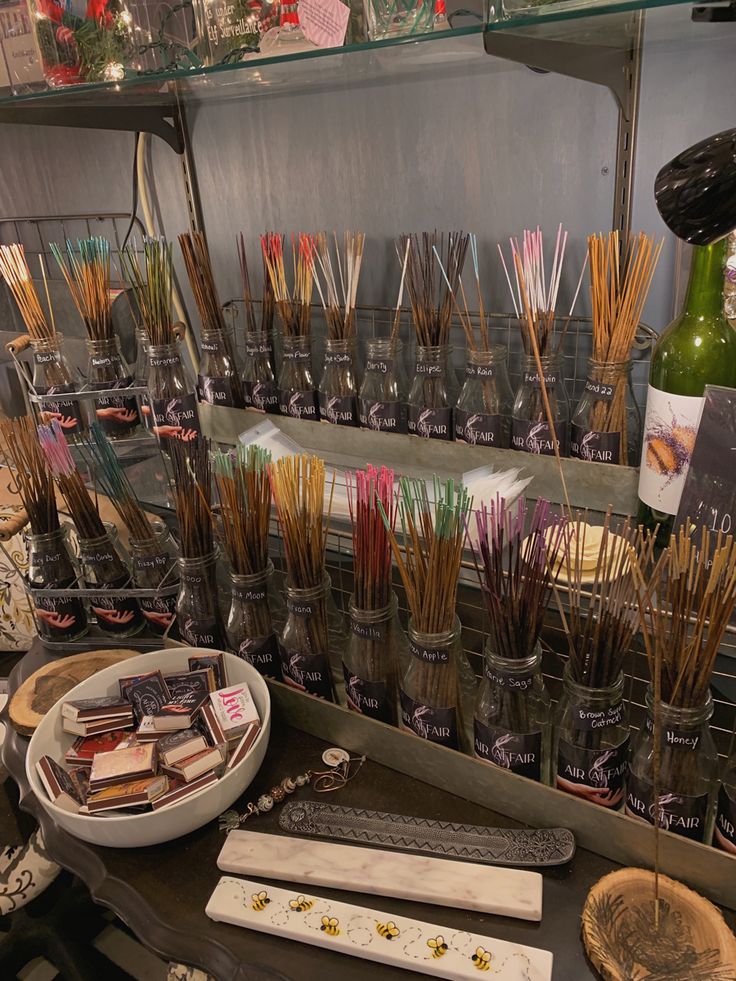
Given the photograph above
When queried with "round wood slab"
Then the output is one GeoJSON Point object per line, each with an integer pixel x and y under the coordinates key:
{"type": "Point", "coordinates": [46, 686]}
{"type": "Point", "coordinates": [621, 939]}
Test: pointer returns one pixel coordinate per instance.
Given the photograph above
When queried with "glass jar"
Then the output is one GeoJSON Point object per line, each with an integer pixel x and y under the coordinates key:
{"type": "Point", "coordinates": [104, 566]}
{"type": "Point", "coordinates": [606, 425]}
{"type": "Point", "coordinates": [687, 770]}
{"type": "Point", "coordinates": [433, 393]}
{"type": "Point", "coordinates": [171, 394]}
{"type": "Point", "coordinates": [198, 615]}
{"type": "Point", "coordinates": [483, 412]}
{"type": "Point", "coordinates": [376, 651]}
{"type": "Point", "coordinates": [338, 390]}
{"type": "Point", "coordinates": [50, 566]}
{"type": "Point", "coordinates": [382, 403]}
{"type": "Point", "coordinates": [387, 18]}
{"type": "Point", "coordinates": [312, 641]}
{"type": "Point", "coordinates": [155, 567]}
{"type": "Point", "coordinates": [259, 382]}
{"type": "Point", "coordinates": [430, 692]}
{"type": "Point", "coordinates": [218, 379]}
{"type": "Point", "coordinates": [512, 715]}
{"type": "Point", "coordinates": [106, 368]}
{"type": "Point", "coordinates": [592, 741]}
{"type": "Point", "coordinates": [250, 629]}
{"type": "Point", "coordinates": [52, 375]}
{"type": "Point", "coordinates": [297, 394]}
{"type": "Point", "coordinates": [140, 375]}
{"type": "Point", "coordinates": [724, 829]}
{"type": "Point", "coordinates": [530, 431]}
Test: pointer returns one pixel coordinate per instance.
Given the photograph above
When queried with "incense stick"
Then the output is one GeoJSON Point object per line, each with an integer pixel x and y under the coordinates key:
{"type": "Point", "coordinates": [151, 282]}
{"type": "Point", "coordinates": [338, 302]}
{"type": "Point", "coordinates": [190, 465]}
{"type": "Point", "coordinates": [80, 505]}
{"type": "Point", "coordinates": [14, 270]}
{"type": "Point", "coordinates": [87, 274]}
{"type": "Point", "coordinates": [32, 478]}
{"type": "Point", "coordinates": [243, 488]}
{"type": "Point", "coordinates": [293, 307]}
{"type": "Point", "coordinates": [431, 297]}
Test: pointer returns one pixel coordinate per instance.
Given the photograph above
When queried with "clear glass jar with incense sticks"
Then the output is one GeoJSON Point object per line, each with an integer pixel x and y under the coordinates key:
{"type": "Point", "coordinates": [482, 415]}
{"type": "Point", "coordinates": [259, 382]}
{"type": "Point", "coordinates": [198, 614]}
{"type": "Point", "coordinates": [433, 393]}
{"type": "Point", "coordinates": [724, 829]}
{"type": "Point", "coordinates": [308, 640]}
{"type": "Point", "coordinates": [530, 428]}
{"type": "Point", "coordinates": [218, 380]}
{"type": "Point", "coordinates": [591, 743]}
{"type": "Point", "coordinates": [171, 394]}
{"type": "Point", "coordinates": [106, 369]}
{"type": "Point", "coordinates": [51, 566]}
{"type": "Point", "coordinates": [250, 630]}
{"type": "Point", "coordinates": [687, 770]}
{"type": "Point", "coordinates": [155, 566]}
{"type": "Point", "coordinates": [338, 389]}
{"type": "Point", "coordinates": [383, 395]}
{"type": "Point", "coordinates": [103, 566]}
{"type": "Point", "coordinates": [606, 425]}
{"type": "Point", "coordinates": [297, 391]}
{"type": "Point", "coordinates": [512, 715]}
{"type": "Point", "coordinates": [51, 376]}
{"type": "Point", "coordinates": [377, 650]}
{"type": "Point", "coordinates": [431, 691]}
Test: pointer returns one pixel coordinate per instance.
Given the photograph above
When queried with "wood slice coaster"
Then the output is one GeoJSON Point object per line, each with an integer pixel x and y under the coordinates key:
{"type": "Point", "coordinates": [620, 937]}
{"type": "Point", "coordinates": [46, 686]}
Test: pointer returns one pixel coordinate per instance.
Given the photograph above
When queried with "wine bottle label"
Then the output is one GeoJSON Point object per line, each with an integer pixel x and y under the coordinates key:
{"type": "Point", "coordinates": [536, 437]}
{"type": "Point", "coordinates": [380, 365]}
{"type": "Point", "coordinates": [672, 736]}
{"type": "Point", "coordinates": [430, 655]}
{"type": "Point", "coordinates": [478, 429]}
{"type": "Point", "coordinates": [115, 614]}
{"type": "Point", "coordinates": [586, 444]}
{"type": "Point", "coordinates": [116, 415]}
{"type": "Point", "coordinates": [724, 831]}
{"type": "Point", "coordinates": [67, 413]}
{"type": "Point", "coordinates": [59, 617]}
{"type": "Point", "coordinates": [670, 427]}
{"type": "Point", "coordinates": [367, 697]}
{"type": "Point", "coordinates": [389, 417]}
{"type": "Point", "coordinates": [587, 720]}
{"type": "Point", "coordinates": [299, 405]}
{"type": "Point", "coordinates": [438, 725]}
{"type": "Point", "coordinates": [515, 681]}
{"type": "Point", "coordinates": [263, 654]}
{"type": "Point", "coordinates": [519, 752]}
{"type": "Point", "coordinates": [368, 631]}
{"type": "Point", "coordinates": [682, 814]}
{"type": "Point", "coordinates": [479, 370]}
{"type": "Point", "coordinates": [340, 410]}
{"type": "Point", "coordinates": [298, 356]}
{"type": "Point", "coordinates": [215, 391]}
{"type": "Point", "coordinates": [201, 631]}
{"type": "Point", "coordinates": [596, 775]}
{"type": "Point", "coordinates": [429, 369]}
{"type": "Point", "coordinates": [533, 378]}
{"type": "Point", "coordinates": [430, 423]}
{"type": "Point", "coordinates": [159, 613]}
{"type": "Point", "coordinates": [342, 357]}
{"type": "Point", "coordinates": [176, 418]}
{"type": "Point", "coordinates": [307, 672]}
{"type": "Point", "coordinates": [601, 391]}
{"type": "Point", "coordinates": [263, 396]}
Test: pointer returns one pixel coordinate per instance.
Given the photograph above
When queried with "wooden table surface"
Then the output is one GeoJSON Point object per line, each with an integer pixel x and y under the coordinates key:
{"type": "Point", "coordinates": [161, 891]}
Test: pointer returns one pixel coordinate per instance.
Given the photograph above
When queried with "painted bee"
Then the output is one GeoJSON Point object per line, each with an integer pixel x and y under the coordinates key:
{"type": "Point", "coordinates": [482, 959]}
{"type": "Point", "coordinates": [260, 901]}
{"type": "Point", "coordinates": [437, 945]}
{"type": "Point", "coordinates": [330, 924]}
{"type": "Point", "coordinates": [387, 930]}
{"type": "Point", "coordinates": [300, 904]}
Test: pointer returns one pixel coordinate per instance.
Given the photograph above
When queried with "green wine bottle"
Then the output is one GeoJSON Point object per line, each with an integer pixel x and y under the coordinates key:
{"type": "Point", "coordinates": [697, 349]}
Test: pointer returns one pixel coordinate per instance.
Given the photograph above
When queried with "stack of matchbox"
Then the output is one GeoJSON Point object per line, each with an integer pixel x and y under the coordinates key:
{"type": "Point", "coordinates": [163, 739]}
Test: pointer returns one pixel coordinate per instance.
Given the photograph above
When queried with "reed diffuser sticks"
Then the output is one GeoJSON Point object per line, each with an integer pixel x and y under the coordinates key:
{"type": "Point", "coordinates": [244, 492]}
{"type": "Point", "coordinates": [82, 508]}
{"type": "Point", "coordinates": [14, 270]}
{"type": "Point", "coordinates": [34, 484]}
{"type": "Point", "coordinates": [152, 282]}
{"type": "Point", "coordinates": [292, 306]}
{"type": "Point", "coordinates": [338, 302]}
{"type": "Point", "coordinates": [87, 274]}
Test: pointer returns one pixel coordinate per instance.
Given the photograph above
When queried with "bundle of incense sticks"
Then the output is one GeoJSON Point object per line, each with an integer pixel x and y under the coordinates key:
{"type": "Point", "coordinates": [244, 491]}
{"type": "Point", "coordinates": [14, 270]}
{"type": "Point", "coordinates": [151, 282]}
{"type": "Point", "coordinates": [190, 465]}
{"type": "Point", "coordinates": [32, 477]}
{"type": "Point", "coordinates": [431, 296]}
{"type": "Point", "coordinates": [464, 314]}
{"type": "Point", "coordinates": [298, 487]}
{"type": "Point", "coordinates": [87, 274]}
{"type": "Point", "coordinates": [372, 496]}
{"type": "Point", "coordinates": [338, 303]}
{"type": "Point", "coordinates": [293, 307]}
{"type": "Point", "coordinates": [114, 482]}
{"type": "Point", "coordinates": [267, 298]}
{"type": "Point", "coordinates": [80, 505]}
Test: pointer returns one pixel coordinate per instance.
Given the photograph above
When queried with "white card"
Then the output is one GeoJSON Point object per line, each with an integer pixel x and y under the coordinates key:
{"type": "Point", "coordinates": [324, 22]}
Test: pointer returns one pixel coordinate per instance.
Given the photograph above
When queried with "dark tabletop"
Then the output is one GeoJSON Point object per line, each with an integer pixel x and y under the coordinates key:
{"type": "Point", "coordinates": [161, 891]}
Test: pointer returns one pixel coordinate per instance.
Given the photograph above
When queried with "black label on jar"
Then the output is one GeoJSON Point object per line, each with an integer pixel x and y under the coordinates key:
{"type": "Point", "coordinates": [301, 608]}
{"type": "Point", "coordinates": [519, 752]}
{"type": "Point", "coordinates": [164, 360]}
{"type": "Point", "coordinates": [299, 405]}
{"type": "Point", "coordinates": [68, 414]}
{"type": "Point", "coordinates": [101, 361]}
{"type": "Point", "coordinates": [380, 365]}
{"type": "Point", "coordinates": [600, 390]}
{"type": "Point", "coordinates": [681, 814]}
{"type": "Point", "coordinates": [388, 417]}
{"type": "Point", "coordinates": [533, 378]}
{"type": "Point", "coordinates": [253, 350]}
{"type": "Point", "coordinates": [587, 444]}
{"type": "Point", "coordinates": [263, 654]}
{"type": "Point", "coordinates": [298, 356]}
{"type": "Point", "coordinates": [46, 357]}
{"type": "Point", "coordinates": [431, 655]}
{"type": "Point", "coordinates": [159, 613]}
{"type": "Point", "coordinates": [596, 775]}
{"type": "Point", "coordinates": [368, 631]}
{"type": "Point", "coordinates": [587, 719]}
{"type": "Point", "coordinates": [478, 428]}
{"type": "Point", "coordinates": [479, 370]}
{"type": "Point", "coordinates": [342, 357]}
{"type": "Point", "coordinates": [307, 672]}
{"type": "Point", "coordinates": [367, 697]}
{"type": "Point", "coordinates": [215, 391]}
{"type": "Point", "coordinates": [430, 423]}
{"type": "Point", "coordinates": [340, 410]}
{"type": "Point", "coordinates": [438, 725]}
{"type": "Point", "coordinates": [515, 681]}
{"type": "Point", "coordinates": [428, 369]}
{"type": "Point", "coordinates": [59, 617]}
{"type": "Point", "coordinates": [115, 614]}
{"type": "Point", "coordinates": [201, 631]}
{"type": "Point", "coordinates": [672, 736]}
{"type": "Point", "coordinates": [147, 563]}
{"type": "Point", "coordinates": [213, 347]}
{"type": "Point", "coordinates": [536, 437]}
{"type": "Point", "coordinates": [176, 418]}
{"type": "Point", "coordinates": [117, 414]}
{"type": "Point", "coordinates": [263, 396]}
{"type": "Point", "coordinates": [724, 831]}
{"type": "Point", "coordinates": [250, 594]}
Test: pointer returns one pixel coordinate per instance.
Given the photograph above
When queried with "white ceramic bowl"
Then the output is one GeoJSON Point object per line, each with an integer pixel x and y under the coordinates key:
{"type": "Point", "coordinates": [135, 830]}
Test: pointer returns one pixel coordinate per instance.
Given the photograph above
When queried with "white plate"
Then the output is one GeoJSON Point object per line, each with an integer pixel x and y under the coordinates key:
{"type": "Point", "coordinates": [135, 830]}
